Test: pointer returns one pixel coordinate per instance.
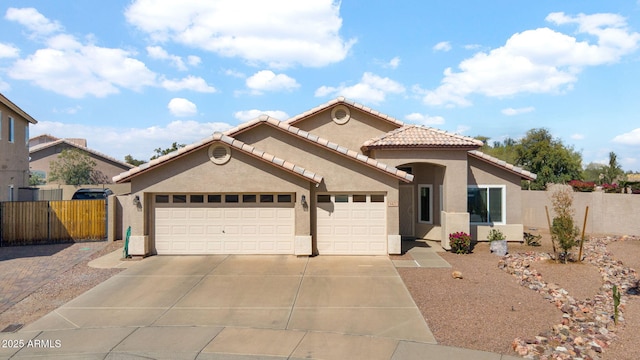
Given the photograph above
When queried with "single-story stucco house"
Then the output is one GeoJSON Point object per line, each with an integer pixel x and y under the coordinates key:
{"type": "Point", "coordinates": [338, 179]}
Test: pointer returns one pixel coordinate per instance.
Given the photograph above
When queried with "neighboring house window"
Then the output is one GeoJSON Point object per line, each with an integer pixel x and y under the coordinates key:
{"type": "Point", "coordinates": [10, 192]}
{"type": "Point", "coordinates": [486, 204]}
{"type": "Point", "coordinates": [11, 133]}
{"type": "Point", "coordinates": [26, 134]}
{"type": "Point", "coordinates": [0, 125]}
{"type": "Point", "coordinates": [425, 201]}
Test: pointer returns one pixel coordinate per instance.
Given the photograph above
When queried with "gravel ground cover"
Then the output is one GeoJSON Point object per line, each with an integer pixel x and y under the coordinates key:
{"type": "Point", "coordinates": [60, 289]}
{"type": "Point", "coordinates": [488, 309]}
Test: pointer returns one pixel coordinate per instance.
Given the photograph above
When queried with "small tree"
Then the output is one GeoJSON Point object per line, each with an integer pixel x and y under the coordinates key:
{"type": "Point", "coordinates": [130, 160]}
{"type": "Point", "coordinates": [563, 230]}
{"type": "Point", "coordinates": [161, 152]}
{"type": "Point", "coordinates": [73, 167]}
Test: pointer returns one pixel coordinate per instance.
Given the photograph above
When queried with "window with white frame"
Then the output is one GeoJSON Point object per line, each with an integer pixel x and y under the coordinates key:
{"type": "Point", "coordinates": [26, 134]}
{"type": "Point", "coordinates": [486, 204]}
{"type": "Point", "coordinates": [425, 203]}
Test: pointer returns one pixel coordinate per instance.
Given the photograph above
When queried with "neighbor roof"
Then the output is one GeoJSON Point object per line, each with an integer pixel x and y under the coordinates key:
{"type": "Point", "coordinates": [342, 101]}
{"type": "Point", "coordinates": [416, 136]}
{"type": "Point", "coordinates": [234, 143]}
{"type": "Point", "coordinates": [314, 139]}
{"type": "Point", "coordinates": [71, 142]}
{"type": "Point", "coordinates": [528, 175]}
{"type": "Point", "coordinates": [17, 109]}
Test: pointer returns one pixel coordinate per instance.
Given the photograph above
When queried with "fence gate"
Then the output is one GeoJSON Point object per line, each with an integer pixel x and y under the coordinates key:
{"type": "Point", "coordinates": [46, 222]}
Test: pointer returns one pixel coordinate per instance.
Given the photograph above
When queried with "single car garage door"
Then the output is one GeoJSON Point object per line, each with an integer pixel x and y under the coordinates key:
{"type": "Point", "coordinates": [224, 223]}
{"type": "Point", "coordinates": [351, 224]}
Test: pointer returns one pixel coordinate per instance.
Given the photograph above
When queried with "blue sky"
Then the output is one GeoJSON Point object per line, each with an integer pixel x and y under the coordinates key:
{"type": "Point", "coordinates": [132, 76]}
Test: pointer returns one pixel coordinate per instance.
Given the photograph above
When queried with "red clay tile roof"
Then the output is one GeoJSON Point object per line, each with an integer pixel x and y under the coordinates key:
{"type": "Point", "coordinates": [528, 175]}
{"type": "Point", "coordinates": [285, 126]}
{"type": "Point", "coordinates": [416, 136]}
{"type": "Point", "coordinates": [233, 143]}
{"type": "Point", "coordinates": [342, 101]}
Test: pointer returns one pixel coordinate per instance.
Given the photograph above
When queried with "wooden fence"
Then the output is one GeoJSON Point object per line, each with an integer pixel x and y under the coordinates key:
{"type": "Point", "coordinates": [47, 222]}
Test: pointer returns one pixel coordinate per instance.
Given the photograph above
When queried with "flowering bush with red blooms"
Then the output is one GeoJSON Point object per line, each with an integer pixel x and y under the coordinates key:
{"type": "Point", "coordinates": [460, 242]}
{"type": "Point", "coordinates": [611, 188]}
{"type": "Point", "coordinates": [582, 186]}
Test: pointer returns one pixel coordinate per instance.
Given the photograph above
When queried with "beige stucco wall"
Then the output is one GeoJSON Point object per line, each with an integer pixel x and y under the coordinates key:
{"type": "Point", "coordinates": [360, 128]}
{"type": "Point", "coordinates": [195, 173]}
{"type": "Point", "coordinates": [14, 156]}
{"type": "Point", "coordinates": [612, 214]}
{"type": "Point", "coordinates": [340, 174]}
{"type": "Point", "coordinates": [481, 173]}
{"type": "Point", "coordinates": [105, 168]}
{"type": "Point", "coordinates": [455, 173]}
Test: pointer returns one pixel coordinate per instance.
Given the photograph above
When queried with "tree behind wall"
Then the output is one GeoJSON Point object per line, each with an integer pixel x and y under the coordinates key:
{"type": "Point", "coordinates": [549, 158]}
{"type": "Point", "coordinates": [73, 167]}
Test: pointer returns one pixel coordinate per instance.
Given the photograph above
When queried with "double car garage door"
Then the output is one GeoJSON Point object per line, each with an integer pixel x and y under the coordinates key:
{"type": "Point", "coordinates": [347, 224]}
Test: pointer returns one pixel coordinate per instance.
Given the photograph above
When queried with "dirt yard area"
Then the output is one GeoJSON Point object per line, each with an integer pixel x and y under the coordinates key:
{"type": "Point", "coordinates": [489, 307]}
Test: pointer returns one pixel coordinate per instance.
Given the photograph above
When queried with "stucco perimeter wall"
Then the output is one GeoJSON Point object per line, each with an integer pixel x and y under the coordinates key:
{"type": "Point", "coordinates": [612, 214]}
{"type": "Point", "coordinates": [195, 173]}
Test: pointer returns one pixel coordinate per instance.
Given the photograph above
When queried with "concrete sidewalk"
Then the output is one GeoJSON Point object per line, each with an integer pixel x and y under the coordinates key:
{"type": "Point", "coordinates": [239, 307]}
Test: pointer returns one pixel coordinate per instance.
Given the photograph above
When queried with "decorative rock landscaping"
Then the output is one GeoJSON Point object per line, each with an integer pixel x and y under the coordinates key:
{"type": "Point", "coordinates": [587, 326]}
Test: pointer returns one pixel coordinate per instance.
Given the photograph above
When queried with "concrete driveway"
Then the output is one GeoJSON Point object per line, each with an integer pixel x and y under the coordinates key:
{"type": "Point", "coordinates": [239, 307]}
{"type": "Point", "coordinates": [227, 306]}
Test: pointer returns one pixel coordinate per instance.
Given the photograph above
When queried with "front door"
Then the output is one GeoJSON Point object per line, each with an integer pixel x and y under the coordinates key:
{"type": "Point", "coordinates": [407, 212]}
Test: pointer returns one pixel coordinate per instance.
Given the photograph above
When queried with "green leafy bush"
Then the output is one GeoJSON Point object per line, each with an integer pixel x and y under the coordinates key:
{"type": "Point", "coordinates": [495, 234]}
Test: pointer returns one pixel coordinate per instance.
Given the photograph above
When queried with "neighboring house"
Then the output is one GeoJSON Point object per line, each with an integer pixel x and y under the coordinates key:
{"type": "Point", "coordinates": [45, 148]}
{"type": "Point", "coordinates": [14, 153]}
{"type": "Point", "coordinates": [338, 179]}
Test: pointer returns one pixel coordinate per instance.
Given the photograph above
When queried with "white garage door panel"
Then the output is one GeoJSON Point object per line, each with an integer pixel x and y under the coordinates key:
{"type": "Point", "coordinates": [200, 230]}
{"type": "Point", "coordinates": [351, 228]}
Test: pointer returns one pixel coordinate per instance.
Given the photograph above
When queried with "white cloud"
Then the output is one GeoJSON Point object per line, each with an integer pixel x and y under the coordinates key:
{"type": "Point", "coordinates": [138, 142]}
{"type": "Point", "coordinates": [371, 88]}
{"type": "Point", "coordinates": [70, 110]}
{"type": "Point", "coordinates": [33, 20]}
{"type": "Point", "coordinates": [234, 73]}
{"type": "Point", "coordinates": [461, 129]}
{"type": "Point", "coordinates": [8, 51]}
{"type": "Point", "coordinates": [246, 115]}
{"type": "Point", "coordinates": [90, 70]}
{"type": "Point", "coordinates": [68, 67]}
{"type": "Point", "coordinates": [537, 61]}
{"type": "Point", "coordinates": [267, 80]}
{"type": "Point", "coordinates": [279, 33]}
{"type": "Point", "coordinates": [191, 82]}
{"type": "Point", "coordinates": [630, 138]}
{"type": "Point", "coordinates": [577, 136]}
{"type": "Point", "coordinates": [425, 119]}
{"type": "Point", "coordinates": [181, 107]}
{"type": "Point", "coordinates": [4, 86]}
{"type": "Point", "coordinates": [193, 60]}
{"type": "Point", "coordinates": [157, 52]}
{"type": "Point", "coordinates": [512, 111]}
{"type": "Point", "coordinates": [442, 46]}
{"type": "Point", "coordinates": [394, 63]}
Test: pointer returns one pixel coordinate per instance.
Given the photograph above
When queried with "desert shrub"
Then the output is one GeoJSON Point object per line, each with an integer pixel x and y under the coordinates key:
{"type": "Point", "coordinates": [531, 240]}
{"type": "Point", "coordinates": [460, 242]}
{"type": "Point", "coordinates": [563, 231]}
{"type": "Point", "coordinates": [611, 188]}
{"type": "Point", "coordinates": [582, 186]}
{"type": "Point", "coordinates": [495, 234]}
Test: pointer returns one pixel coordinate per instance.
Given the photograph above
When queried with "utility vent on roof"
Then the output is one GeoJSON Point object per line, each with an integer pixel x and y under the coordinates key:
{"type": "Point", "coordinates": [219, 154]}
{"type": "Point", "coordinates": [340, 114]}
